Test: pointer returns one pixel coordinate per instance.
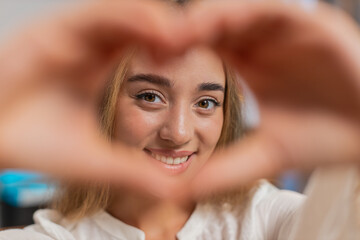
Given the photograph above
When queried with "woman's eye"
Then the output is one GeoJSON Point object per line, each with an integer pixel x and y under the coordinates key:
{"type": "Point", "coordinates": [149, 97]}
{"type": "Point", "coordinates": [207, 104]}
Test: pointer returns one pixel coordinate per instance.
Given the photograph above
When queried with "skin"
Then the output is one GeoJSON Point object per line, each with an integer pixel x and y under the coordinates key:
{"type": "Point", "coordinates": [178, 117]}
{"type": "Point", "coordinates": [52, 78]}
{"type": "Point", "coordinates": [303, 67]}
{"type": "Point", "coordinates": [280, 49]}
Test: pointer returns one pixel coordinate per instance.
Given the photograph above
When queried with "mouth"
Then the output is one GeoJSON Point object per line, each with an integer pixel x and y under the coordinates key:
{"type": "Point", "coordinates": [173, 161]}
{"type": "Point", "coordinates": [170, 160]}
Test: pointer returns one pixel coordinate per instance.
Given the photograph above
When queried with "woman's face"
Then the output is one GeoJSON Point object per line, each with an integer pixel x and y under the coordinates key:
{"type": "Point", "coordinates": [173, 112]}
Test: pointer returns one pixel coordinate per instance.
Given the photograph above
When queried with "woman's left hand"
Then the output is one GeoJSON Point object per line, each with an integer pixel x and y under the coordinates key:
{"type": "Point", "coordinates": [304, 69]}
{"type": "Point", "coordinates": [52, 78]}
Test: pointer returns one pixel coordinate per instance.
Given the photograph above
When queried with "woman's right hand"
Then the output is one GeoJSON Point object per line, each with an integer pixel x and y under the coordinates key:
{"type": "Point", "coordinates": [52, 77]}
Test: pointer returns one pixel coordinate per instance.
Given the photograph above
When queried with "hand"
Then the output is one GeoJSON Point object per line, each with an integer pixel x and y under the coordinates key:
{"type": "Point", "coordinates": [52, 77]}
{"type": "Point", "coordinates": [304, 69]}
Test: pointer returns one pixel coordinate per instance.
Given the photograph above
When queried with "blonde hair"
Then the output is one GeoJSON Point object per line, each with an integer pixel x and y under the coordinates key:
{"type": "Point", "coordinates": [77, 201]}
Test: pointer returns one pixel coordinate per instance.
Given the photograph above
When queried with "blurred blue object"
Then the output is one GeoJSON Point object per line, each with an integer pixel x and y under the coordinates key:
{"type": "Point", "coordinates": [24, 189]}
{"type": "Point", "coordinates": [293, 180]}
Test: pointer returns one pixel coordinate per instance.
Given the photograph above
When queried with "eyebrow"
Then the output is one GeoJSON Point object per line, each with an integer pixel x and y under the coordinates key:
{"type": "Point", "coordinates": [151, 78]}
{"type": "Point", "coordinates": [210, 87]}
{"type": "Point", "coordinates": [162, 81]}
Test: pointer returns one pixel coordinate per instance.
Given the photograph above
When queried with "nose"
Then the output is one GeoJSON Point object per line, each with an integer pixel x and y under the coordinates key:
{"type": "Point", "coordinates": [178, 126]}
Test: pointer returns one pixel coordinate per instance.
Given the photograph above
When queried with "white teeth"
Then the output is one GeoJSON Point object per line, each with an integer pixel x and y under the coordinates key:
{"type": "Point", "coordinates": [183, 159]}
{"type": "Point", "coordinates": [170, 160]}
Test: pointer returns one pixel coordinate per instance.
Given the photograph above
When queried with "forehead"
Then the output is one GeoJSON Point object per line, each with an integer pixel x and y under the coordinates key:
{"type": "Point", "coordinates": [196, 65]}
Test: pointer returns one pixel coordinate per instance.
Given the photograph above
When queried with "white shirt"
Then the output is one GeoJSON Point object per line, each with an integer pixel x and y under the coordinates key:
{"type": "Point", "coordinates": [269, 215]}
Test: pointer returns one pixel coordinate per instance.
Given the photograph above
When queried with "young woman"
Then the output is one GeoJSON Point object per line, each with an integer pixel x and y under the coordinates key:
{"type": "Point", "coordinates": [176, 115]}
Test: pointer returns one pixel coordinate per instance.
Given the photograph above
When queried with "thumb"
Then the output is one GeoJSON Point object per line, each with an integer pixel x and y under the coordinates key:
{"type": "Point", "coordinates": [256, 156]}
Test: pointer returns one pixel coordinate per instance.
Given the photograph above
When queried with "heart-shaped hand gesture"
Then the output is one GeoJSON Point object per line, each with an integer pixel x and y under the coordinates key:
{"type": "Point", "coordinates": [303, 70]}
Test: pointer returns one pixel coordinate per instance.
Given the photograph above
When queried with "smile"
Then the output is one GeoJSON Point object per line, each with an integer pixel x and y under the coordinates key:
{"type": "Point", "coordinates": [170, 157]}
{"type": "Point", "coordinates": [170, 160]}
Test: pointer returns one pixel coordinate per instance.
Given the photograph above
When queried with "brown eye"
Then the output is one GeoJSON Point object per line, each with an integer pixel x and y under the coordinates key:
{"type": "Point", "coordinates": [207, 104]}
{"type": "Point", "coordinates": [149, 97]}
{"type": "Point", "coordinates": [204, 104]}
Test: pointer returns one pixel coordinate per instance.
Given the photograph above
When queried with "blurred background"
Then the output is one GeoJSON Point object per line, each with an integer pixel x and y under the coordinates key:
{"type": "Point", "coordinates": [21, 193]}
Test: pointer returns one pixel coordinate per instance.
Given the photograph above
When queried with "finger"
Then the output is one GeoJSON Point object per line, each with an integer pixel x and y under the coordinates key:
{"type": "Point", "coordinates": [255, 157]}
{"type": "Point", "coordinates": [244, 21]}
{"type": "Point", "coordinates": [94, 35]}
{"type": "Point", "coordinates": [45, 133]}
{"type": "Point", "coordinates": [112, 23]}
{"type": "Point", "coordinates": [123, 168]}
{"type": "Point", "coordinates": [228, 16]}
{"type": "Point", "coordinates": [77, 44]}
{"type": "Point", "coordinates": [95, 161]}
{"type": "Point", "coordinates": [303, 141]}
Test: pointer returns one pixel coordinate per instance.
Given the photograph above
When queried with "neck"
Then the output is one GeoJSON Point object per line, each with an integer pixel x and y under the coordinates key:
{"type": "Point", "coordinates": [148, 214]}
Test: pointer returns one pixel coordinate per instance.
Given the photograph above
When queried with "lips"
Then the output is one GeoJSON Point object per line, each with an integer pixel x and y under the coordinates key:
{"type": "Point", "coordinates": [170, 157]}
{"type": "Point", "coordinates": [170, 160]}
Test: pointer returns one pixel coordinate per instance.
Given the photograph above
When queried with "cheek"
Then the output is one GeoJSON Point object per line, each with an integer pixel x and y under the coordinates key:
{"type": "Point", "coordinates": [210, 131]}
{"type": "Point", "coordinates": [133, 126]}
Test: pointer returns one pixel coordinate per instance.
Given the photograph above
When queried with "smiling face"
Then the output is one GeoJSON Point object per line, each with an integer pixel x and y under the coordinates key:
{"type": "Point", "coordinates": [168, 111]}
{"type": "Point", "coordinates": [172, 112]}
